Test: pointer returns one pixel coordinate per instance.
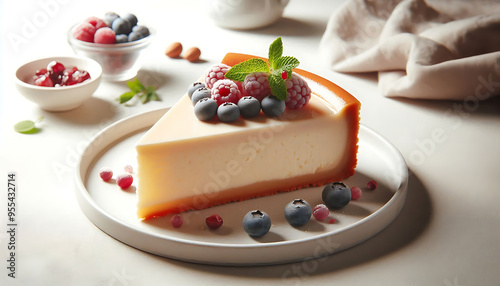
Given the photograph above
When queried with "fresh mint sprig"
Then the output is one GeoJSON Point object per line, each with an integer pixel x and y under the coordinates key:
{"type": "Point", "coordinates": [278, 64]}
{"type": "Point", "coordinates": [138, 89]}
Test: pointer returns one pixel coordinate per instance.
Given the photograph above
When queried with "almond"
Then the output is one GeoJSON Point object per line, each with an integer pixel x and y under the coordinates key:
{"type": "Point", "coordinates": [174, 50]}
{"type": "Point", "coordinates": [192, 54]}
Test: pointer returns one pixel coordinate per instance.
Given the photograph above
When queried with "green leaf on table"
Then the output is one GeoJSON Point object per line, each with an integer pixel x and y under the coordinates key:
{"type": "Point", "coordinates": [135, 85]}
{"type": "Point", "coordinates": [138, 89]}
{"type": "Point", "coordinates": [127, 96]}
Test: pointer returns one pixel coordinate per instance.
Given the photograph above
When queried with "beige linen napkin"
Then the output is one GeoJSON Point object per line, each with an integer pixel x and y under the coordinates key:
{"type": "Point", "coordinates": [430, 50]}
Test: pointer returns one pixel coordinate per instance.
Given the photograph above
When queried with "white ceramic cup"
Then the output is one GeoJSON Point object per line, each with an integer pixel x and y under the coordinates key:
{"type": "Point", "coordinates": [245, 14]}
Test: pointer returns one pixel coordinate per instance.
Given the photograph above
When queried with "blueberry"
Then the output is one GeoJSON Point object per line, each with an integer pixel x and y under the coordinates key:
{"type": "Point", "coordinates": [249, 106]}
{"type": "Point", "coordinates": [200, 93]}
{"type": "Point", "coordinates": [228, 112]}
{"type": "Point", "coordinates": [194, 86]}
{"type": "Point", "coordinates": [298, 212]}
{"type": "Point", "coordinates": [133, 36]}
{"type": "Point", "coordinates": [122, 38]}
{"type": "Point", "coordinates": [205, 109]}
{"type": "Point", "coordinates": [131, 18]}
{"type": "Point", "coordinates": [256, 223]}
{"type": "Point", "coordinates": [109, 17]}
{"type": "Point", "coordinates": [141, 30]}
{"type": "Point", "coordinates": [121, 26]}
{"type": "Point", "coordinates": [272, 106]}
{"type": "Point", "coordinates": [336, 195]}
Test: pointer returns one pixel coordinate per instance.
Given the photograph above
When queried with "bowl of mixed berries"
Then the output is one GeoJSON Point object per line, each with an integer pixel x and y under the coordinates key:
{"type": "Point", "coordinates": [58, 83]}
{"type": "Point", "coordinates": [114, 41]}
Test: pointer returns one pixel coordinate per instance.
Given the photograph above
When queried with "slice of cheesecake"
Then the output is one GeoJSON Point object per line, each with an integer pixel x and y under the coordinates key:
{"type": "Point", "coordinates": [186, 164]}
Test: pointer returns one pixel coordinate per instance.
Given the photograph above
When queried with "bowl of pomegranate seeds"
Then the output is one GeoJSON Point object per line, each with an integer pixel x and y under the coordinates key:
{"type": "Point", "coordinates": [114, 41]}
{"type": "Point", "coordinates": [58, 83]}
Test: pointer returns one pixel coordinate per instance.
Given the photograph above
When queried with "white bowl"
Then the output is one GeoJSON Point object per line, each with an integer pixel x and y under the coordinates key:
{"type": "Point", "coordinates": [245, 14]}
{"type": "Point", "coordinates": [58, 98]}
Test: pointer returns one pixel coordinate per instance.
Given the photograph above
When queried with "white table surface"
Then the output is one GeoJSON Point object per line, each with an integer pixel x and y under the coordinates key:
{"type": "Point", "coordinates": [447, 234]}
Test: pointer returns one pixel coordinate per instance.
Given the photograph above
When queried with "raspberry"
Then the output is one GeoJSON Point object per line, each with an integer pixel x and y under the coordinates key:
{"type": "Point", "coordinates": [256, 85]}
{"type": "Point", "coordinates": [44, 80]}
{"type": "Point", "coordinates": [176, 221]}
{"type": "Point", "coordinates": [226, 90]}
{"type": "Point", "coordinates": [96, 22]}
{"type": "Point", "coordinates": [124, 180]}
{"type": "Point", "coordinates": [84, 32]}
{"type": "Point", "coordinates": [215, 73]}
{"type": "Point", "coordinates": [105, 36]}
{"type": "Point", "coordinates": [214, 221]}
{"type": "Point", "coordinates": [356, 193]}
{"type": "Point", "coordinates": [105, 173]}
{"type": "Point", "coordinates": [320, 212]}
{"type": "Point", "coordinates": [129, 169]}
{"type": "Point", "coordinates": [298, 92]}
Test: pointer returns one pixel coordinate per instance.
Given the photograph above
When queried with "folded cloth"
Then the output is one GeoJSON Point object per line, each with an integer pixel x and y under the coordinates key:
{"type": "Point", "coordinates": [428, 50]}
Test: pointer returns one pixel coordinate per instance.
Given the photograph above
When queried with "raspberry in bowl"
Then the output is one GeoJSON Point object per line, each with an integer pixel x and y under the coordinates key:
{"type": "Point", "coordinates": [114, 41]}
{"type": "Point", "coordinates": [58, 83]}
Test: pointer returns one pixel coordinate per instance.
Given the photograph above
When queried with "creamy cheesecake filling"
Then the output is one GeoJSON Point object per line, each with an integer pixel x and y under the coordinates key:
{"type": "Point", "coordinates": [181, 157]}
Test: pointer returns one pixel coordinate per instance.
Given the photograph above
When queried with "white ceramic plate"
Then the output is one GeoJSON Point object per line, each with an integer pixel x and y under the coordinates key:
{"type": "Point", "coordinates": [113, 210]}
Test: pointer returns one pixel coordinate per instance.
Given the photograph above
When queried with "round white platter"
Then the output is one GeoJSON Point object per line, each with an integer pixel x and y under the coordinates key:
{"type": "Point", "coordinates": [113, 210]}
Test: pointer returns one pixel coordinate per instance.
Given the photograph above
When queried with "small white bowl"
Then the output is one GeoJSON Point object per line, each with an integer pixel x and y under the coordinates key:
{"type": "Point", "coordinates": [58, 98]}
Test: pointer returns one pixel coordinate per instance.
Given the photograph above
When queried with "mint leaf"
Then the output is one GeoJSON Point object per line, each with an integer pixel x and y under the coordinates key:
{"type": "Point", "coordinates": [278, 86]}
{"type": "Point", "coordinates": [127, 96]}
{"type": "Point", "coordinates": [287, 63]}
{"type": "Point", "coordinates": [152, 95]}
{"type": "Point", "coordinates": [239, 71]}
{"type": "Point", "coordinates": [144, 97]}
{"type": "Point", "coordinates": [26, 127]}
{"type": "Point", "coordinates": [135, 86]}
{"type": "Point", "coordinates": [275, 52]}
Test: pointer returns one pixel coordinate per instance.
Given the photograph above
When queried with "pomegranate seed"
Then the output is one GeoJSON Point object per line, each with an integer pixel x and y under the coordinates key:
{"type": "Point", "coordinates": [176, 221]}
{"type": "Point", "coordinates": [214, 221]}
{"type": "Point", "coordinates": [284, 75]}
{"type": "Point", "coordinates": [332, 220]}
{"type": "Point", "coordinates": [356, 193]}
{"type": "Point", "coordinates": [372, 185]}
{"type": "Point", "coordinates": [55, 67]}
{"type": "Point", "coordinates": [44, 81]}
{"type": "Point", "coordinates": [124, 180]}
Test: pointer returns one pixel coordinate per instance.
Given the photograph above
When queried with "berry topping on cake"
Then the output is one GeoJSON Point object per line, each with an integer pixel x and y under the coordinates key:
{"type": "Point", "coordinates": [320, 212]}
{"type": "Point", "coordinates": [84, 32]}
{"type": "Point", "coordinates": [225, 90]}
{"type": "Point", "coordinates": [193, 87]}
{"type": "Point", "coordinates": [249, 106]}
{"type": "Point", "coordinates": [256, 85]}
{"type": "Point", "coordinates": [205, 109]}
{"type": "Point", "coordinates": [298, 212]}
{"type": "Point", "coordinates": [256, 223]}
{"type": "Point", "coordinates": [105, 36]}
{"type": "Point", "coordinates": [336, 195]}
{"type": "Point", "coordinates": [272, 106]}
{"type": "Point", "coordinates": [298, 92]}
{"type": "Point", "coordinates": [214, 221]}
{"type": "Point", "coordinates": [228, 112]}
{"type": "Point", "coordinates": [215, 73]}
{"type": "Point", "coordinates": [200, 93]}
